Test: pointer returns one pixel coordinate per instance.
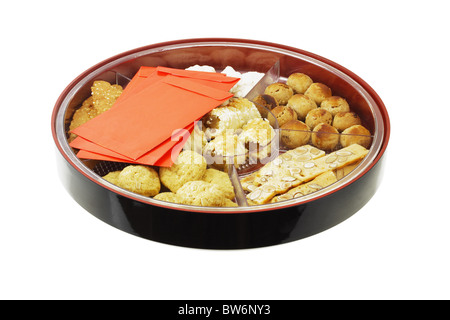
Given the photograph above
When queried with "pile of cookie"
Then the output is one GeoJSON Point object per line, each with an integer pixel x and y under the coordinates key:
{"type": "Point", "coordinates": [188, 181]}
{"type": "Point", "coordinates": [235, 131]}
{"type": "Point", "coordinates": [308, 112]}
{"type": "Point", "coordinates": [322, 140]}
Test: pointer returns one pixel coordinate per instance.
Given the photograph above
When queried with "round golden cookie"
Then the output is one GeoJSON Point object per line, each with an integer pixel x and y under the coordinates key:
{"type": "Point", "coordinates": [280, 91]}
{"type": "Point", "coordinates": [294, 134]}
{"type": "Point", "coordinates": [221, 179]}
{"type": "Point", "coordinates": [299, 82]}
{"type": "Point", "coordinates": [325, 137]}
{"type": "Point", "coordinates": [169, 197]}
{"type": "Point", "coordinates": [202, 193]}
{"type": "Point", "coordinates": [318, 92]}
{"type": "Point", "coordinates": [283, 114]}
{"type": "Point", "coordinates": [139, 179]}
{"type": "Point", "coordinates": [301, 104]}
{"type": "Point", "coordinates": [189, 166]}
{"type": "Point", "coordinates": [344, 120]}
{"type": "Point", "coordinates": [264, 103]}
{"type": "Point", "coordinates": [112, 177]}
{"type": "Point", "coordinates": [317, 116]}
{"type": "Point", "coordinates": [335, 104]}
{"type": "Point", "coordinates": [356, 134]}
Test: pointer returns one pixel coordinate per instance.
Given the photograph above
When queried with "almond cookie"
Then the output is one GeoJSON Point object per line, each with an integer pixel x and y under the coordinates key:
{"type": "Point", "coordinates": [222, 180]}
{"type": "Point", "coordinates": [169, 197]}
{"type": "Point", "coordinates": [356, 134]}
{"type": "Point", "coordinates": [335, 104]}
{"type": "Point", "coordinates": [139, 179]}
{"type": "Point", "coordinates": [301, 104]}
{"type": "Point", "coordinates": [283, 114]}
{"type": "Point", "coordinates": [299, 82]}
{"type": "Point", "coordinates": [318, 92]}
{"type": "Point", "coordinates": [202, 193]}
{"type": "Point", "coordinates": [325, 137]}
{"type": "Point", "coordinates": [344, 120]}
{"type": "Point", "coordinates": [112, 177]}
{"type": "Point", "coordinates": [189, 166]}
{"type": "Point", "coordinates": [280, 91]}
{"type": "Point", "coordinates": [264, 103]}
{"type": "Point", "coordinates": [294, 134]}
{"type": "Point", "coordinates": [318, 116]}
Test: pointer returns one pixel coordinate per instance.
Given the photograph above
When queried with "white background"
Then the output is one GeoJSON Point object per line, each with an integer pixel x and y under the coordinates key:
{"type": "Point", "coordinates": [396, 247]}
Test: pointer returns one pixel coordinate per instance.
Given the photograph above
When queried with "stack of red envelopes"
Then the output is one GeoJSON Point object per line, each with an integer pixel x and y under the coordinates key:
{"type": "Point", "coordinates": [153, 117]}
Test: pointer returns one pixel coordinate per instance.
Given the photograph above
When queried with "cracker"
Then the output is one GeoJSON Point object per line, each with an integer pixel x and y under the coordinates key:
{"type": "Point", "coordinates": [342, 172]}
{"type": "Point", "coordinates": [321, 181]}
{"type": "Point", "coordinates": [308, 171]}
{"type": "Point", "coordinates": [285, 164]}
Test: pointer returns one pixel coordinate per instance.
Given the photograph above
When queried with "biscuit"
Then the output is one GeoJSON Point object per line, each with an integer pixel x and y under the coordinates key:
{"type": "Point", "coordinates": [342, 172]}
{"type": "Point", "coordinates": [356, 134]}
{"type": "Point", "coordinates": [318, 92]}
{"type": "Point", "coordinates": [335, 104]}
{"type": "Point", "coordinates": [344, 120]}
{"type": "Point", "coordinates": [112, 177]}
{"type": "Point", "coordinates": [264, 103]}
{"type": "Point", "coordinates": [222, 180]}
{"type": "Point", "coordinates": [86, 112]}
{"type": "Point", "coordinates": [139, 179]}
{"type": "Point", "coordinates": [301, 104]}
{"type": "Point", "coordinates": [104, 95]}
{"type": "Point", "coordinates": [283, 114]}
{"type": "Point", "coordinates": [280, 91]}
{"type": "Point", "coordinates": [189, 166]}
{"type": "Point", "coordinates": [294, 134]}
{"type": "Point", "coordinates": [325, 137]}
{"type": "Point", "coordinates": [169, 197]}
{"type": "Point", "coordinates": [232, 116]}
{"type": "Point", "coordinates": [202, 193]}
{"type": "Point", "coordinates": [286, 164]}
{"type": "Point", "coordinates": [318, 116]}
{"type": "Point", "coordinates": [304, 172]}
{"type": "Point", "coordinates": [299, 82]}
{"type": "Point", "coordinates": [257, 136]}
{"type": "Point", "coordinates": [225, 148]}
{"type": "Point", "coordinates": [321, 181]}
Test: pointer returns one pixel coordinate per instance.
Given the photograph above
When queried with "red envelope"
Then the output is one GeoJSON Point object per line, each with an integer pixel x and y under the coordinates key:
{"type": "Point", "coordinates": [147, 76]}
{"type": "Point", "coordinates": [149, 117]}
{"type": "Point", "coordinates": [165, 161]}
{"type": "Point", "coordinates": [172, 146]}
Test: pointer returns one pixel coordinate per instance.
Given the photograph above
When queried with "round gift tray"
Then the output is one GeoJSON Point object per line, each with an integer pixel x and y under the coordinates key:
{"type": "Point", "coordinates": [222, 227]}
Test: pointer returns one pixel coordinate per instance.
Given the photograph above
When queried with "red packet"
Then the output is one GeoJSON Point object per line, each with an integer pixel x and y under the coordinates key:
{"type": "Point", "coordinates": [172, 146]}
{"type": "Point", "coordinates": [150, 116]}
